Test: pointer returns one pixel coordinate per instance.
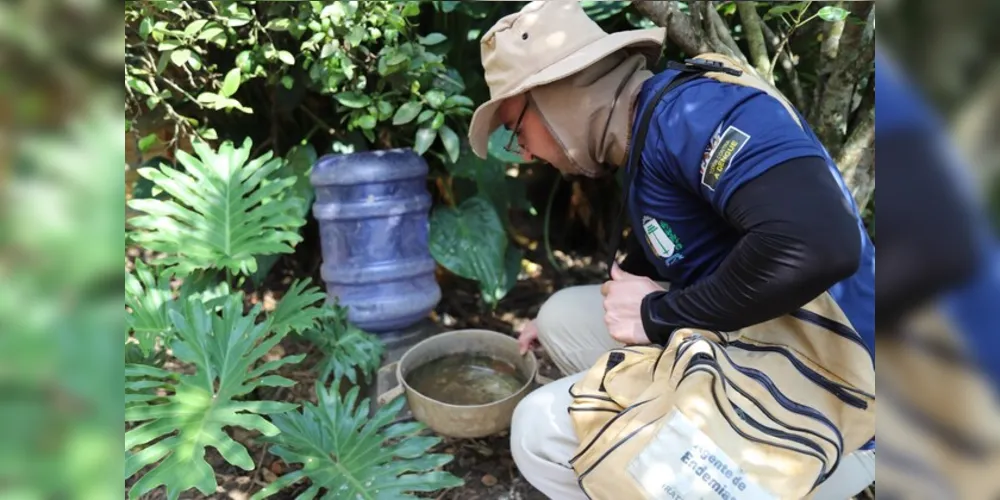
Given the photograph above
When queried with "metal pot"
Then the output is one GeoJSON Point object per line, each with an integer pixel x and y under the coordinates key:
{"type": "Point", "coordinates": [462, 421]}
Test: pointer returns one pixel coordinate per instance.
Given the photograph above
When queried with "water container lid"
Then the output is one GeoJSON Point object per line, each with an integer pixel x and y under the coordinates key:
{"type": "Point", "coordinates": [379, 165]}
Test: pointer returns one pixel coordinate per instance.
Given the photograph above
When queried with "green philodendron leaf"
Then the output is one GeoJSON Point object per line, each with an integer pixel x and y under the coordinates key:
{"type": "Point", "coordinates": [286, 57]}
{"type": "Point", "coordinates": [407, 112]}
{"type": "Point", "coordinates": [438, 121]}
{"type": "Point", "coordinates": [832, 13]}
{"type": "Point", "coordinates": [353, 100]}
{"type": "Point", "coordinates": [425, 115]}
{"type": "Point", "coordinates": [452, 143]}
{"type": "Point", "coordinates": [145, 27]}
{"type": "Point", "coordinates": [458, 101]}
{"type": "Point", "coordinates": [424, 139]}
{"type": "Point", "coordinates": [180, 56]}
{"type": "Point", "coordinates": [299, 309]}
{"type": "Point", "coordinates": [174, 431]}
{"type": "Point", "coordinates": [225, 210]}
{"type": "Point", "coordinates": [195, 27]}
{"type": "Point", "coordinates": [149, 299]}
{"type": "Point", "coordinates": [432, 39]}
{"type": "Point", "coordinates": [347, 453]}
{"type": "Point", "coordinates": [384, 109]}
{"type": "Point", "coordinates": [231, 83]}
{"type": "Point", "coordinates": [347, 349]}
{"type": "Point", "coordinates": [300, 160]}
{"type": "Point", "coordinates": [469, 240]}
{"type": "Point", "coordinates": [435, 98]}
{"type": "Point", "coordinates": [366, 122]}
{"type": "Point", "coordinates": [450, 81]}
{"type": "Point", "coordinates": [215, 34]}
{"type": "Point", "coordinates": [781, 9]}
{"type": "Point", "coordinates": [448, 5]}
{"type": "Point", "coordinates": [512, 268]}
{"type": "Point", "coordinates": [411, 9]}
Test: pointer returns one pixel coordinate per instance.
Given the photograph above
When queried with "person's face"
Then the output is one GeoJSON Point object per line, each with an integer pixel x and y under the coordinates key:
{"type": "Point", "coordinates": [532, 138]}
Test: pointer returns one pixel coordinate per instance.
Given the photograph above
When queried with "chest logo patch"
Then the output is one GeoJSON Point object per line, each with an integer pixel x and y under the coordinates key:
{"type": "Point", "coordinates": [720, 153]}
{"type": "Point", "coordinates": [662, 240]}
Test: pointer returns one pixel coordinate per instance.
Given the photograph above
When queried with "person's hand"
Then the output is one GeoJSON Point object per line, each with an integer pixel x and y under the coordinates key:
{"type": "Point", "coordinates": [623, 296]}
{"type": "Point", "coordinates": [527, 336]}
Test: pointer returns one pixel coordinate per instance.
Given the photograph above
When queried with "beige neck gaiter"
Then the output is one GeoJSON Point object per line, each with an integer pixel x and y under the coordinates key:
{"type": "Point", "coordinates": [590, 113]}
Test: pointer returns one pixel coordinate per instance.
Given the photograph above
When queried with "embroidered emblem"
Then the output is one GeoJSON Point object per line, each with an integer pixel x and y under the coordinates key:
{"type": "Point", "coordinates": [662, 240]}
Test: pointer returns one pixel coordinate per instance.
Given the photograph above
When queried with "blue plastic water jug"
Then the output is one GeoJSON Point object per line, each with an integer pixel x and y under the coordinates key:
{"type": "Point", "coordinates": [372, 208]}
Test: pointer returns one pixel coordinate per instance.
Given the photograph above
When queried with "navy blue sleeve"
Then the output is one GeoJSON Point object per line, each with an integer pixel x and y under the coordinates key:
{"type": "Point", "coordinates": [719, 136]}
{"type": "Point", "coordinates": [793, 248]}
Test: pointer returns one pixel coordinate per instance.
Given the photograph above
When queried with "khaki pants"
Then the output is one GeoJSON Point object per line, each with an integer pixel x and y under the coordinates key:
{"type": "Point", "coordinates": [571, 328]}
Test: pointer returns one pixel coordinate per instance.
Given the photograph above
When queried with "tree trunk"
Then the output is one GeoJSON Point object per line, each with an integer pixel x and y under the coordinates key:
{"type": "Point", "coordinates": [689, 37]}
{"type": "Point", "coordinates": [856, 159]}
{"type": "Point", "coordinates": [855, 59]}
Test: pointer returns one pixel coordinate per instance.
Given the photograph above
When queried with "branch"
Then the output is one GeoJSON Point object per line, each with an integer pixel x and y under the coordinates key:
{"type": "Point", "coordinates": [862, 183]}
{"type": "Point", "coordinates": [727, 44]}
{"type": "Point", "coordinates": [703, 9]}
{"type": "Point", "coordinates": [788, 35]}
{"type": "Point", "coordinates": [755, 38]}
{"type": "Point", "coordinates": [857, 158]}
{"type": "Point", "coordinates": [831, 38]}
{"type": "Point", "coordinates": [855, 59]}
{"type": "Point", "coordinates": [689, 37]}
{"type": "Point", "coordinates": [862, 133]}
{"type": "Point", "coordinates": [787, 60]}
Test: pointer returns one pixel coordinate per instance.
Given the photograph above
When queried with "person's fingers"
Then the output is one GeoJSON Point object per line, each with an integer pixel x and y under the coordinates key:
{"type": "Point", "coordinates": [523, 344]}
{"type": "Point", "coordinates": [527, 336]}
{"type": "Point", "coordinates": [616, 272]}
{"type": "Point", "coordinates": [605, 288]}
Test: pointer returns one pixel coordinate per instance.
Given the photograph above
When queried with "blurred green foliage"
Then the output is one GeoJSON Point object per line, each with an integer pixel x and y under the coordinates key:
{"type": "Point", "coordinates": [60, 388]}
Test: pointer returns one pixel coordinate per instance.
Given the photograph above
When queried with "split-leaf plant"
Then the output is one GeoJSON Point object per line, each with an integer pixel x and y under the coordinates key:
{"type": "Point", "coordinates": [211, 224]}
{"type": "Point", "coordinates": [346, 453]}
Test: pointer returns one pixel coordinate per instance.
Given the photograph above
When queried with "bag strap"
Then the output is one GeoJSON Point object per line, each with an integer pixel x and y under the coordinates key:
{"type": "Point", "coordinates": [690, 69]}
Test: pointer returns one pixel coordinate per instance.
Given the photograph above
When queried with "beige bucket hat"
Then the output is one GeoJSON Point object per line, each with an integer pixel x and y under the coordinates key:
{"type": "Point", "coordinates": [543, 42]}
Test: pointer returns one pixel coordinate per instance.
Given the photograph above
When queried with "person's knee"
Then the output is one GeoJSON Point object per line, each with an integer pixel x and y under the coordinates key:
{"type": "Point", "coordinates": [564, 312]}
{"type": "Point", "coordinates": [553, 313]}
{"type": "Point", "coordinates": [524, 431]}
{"type": "Point", "coordinates": [541, 430]}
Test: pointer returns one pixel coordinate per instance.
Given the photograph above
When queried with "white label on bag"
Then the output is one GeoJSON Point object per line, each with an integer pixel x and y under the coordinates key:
{"type": "Point", "coordinates": [681, 462]}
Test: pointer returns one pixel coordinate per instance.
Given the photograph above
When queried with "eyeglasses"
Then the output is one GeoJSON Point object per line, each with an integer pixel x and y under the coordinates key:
{"type": "Point", "coordinates": [512, 145]}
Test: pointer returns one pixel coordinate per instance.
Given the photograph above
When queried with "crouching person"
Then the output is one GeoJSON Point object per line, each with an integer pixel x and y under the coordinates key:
{"type": "Point", "coordinates": [752, 374]}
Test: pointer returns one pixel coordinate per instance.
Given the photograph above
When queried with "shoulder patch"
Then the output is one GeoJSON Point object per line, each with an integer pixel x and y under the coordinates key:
{"type": "Point", "coordinates": [720, 153]}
